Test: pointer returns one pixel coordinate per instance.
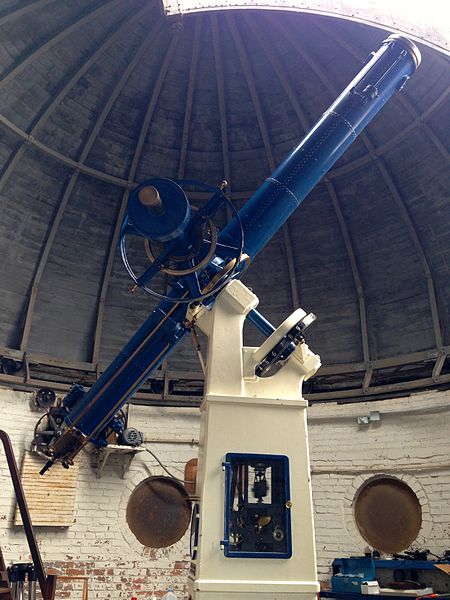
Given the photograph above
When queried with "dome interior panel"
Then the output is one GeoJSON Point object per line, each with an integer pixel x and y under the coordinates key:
{"type": "Point", "coordinates": [321, 249]}
{"type": "Point", "coordinates": [302, 71]}
{"type": "Point", "coordinates": [385, 127]}
{"type": "Point", "coordinates": [75, 268]}
{"type": "Point", "coordinates": [430, 81]}
{"type": "Point", "coordinates": [162, 143]}
{"type": "Point", "coordinates": [114, 148]}
{"type": "Point", "coordinates": [204, 154]}
{"type": "Point", "coordinates": [391, 271]}
{"type": "Point", "coordinates": [441, 127]}
{"type": "Point", "coordinates": [329, 52]}
{"type": "Point", "coordinates": [23, 103]}
{"type": "Point", "coordinates": [23, 35]}
{"type": "Point", "coordinates": [184, 358]}
{"type": "Point", "coordinates": [269, 272]}
{"type": "Point", "coordinates": [9, 144]}
{"type": "Point", "coordinates": [279, 115]}
{"type": "Point", "coordinates": [426, 188]}
{"type": "Point", "coordinates": [28, 202]}
{"type": "Point", "coordinates": [19, 102]}
{"type": "Point", "coordinates": [70, 125]}
{"type": "Point", "coordinates": [10, 6]}
{"type": "Point", "coordinates": [244, 135]}
{"type": "Point", "coordinates": [124, 311]}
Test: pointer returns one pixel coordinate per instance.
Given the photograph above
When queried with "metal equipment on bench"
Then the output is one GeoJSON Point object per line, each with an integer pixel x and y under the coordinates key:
{"type": "Point", "coordinates": [19, 574]}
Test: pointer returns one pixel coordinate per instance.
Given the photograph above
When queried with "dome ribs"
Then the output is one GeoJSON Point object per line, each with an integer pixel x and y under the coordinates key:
{"type": "Point", "coordinates": [394, 141]}
{"type": "Point", "coordinates": [83, 20]}
{"type": "Point", "coordinates": [131, 175]}
{"type": "Point", "coordinates": [42, 119]}
{"type": "Point", "coordinates": [238, 195]}
{"type": "Point", "coordinates": [20, 12]}
{"type": "Point", "coordinates": [267, 146]}
{"type": "Point", "coordinates": [399, 200]}
{"type": "Point", "coordinates": [111, 98]}
{"type": "Point", "coordinates": [280, 71]}
{"type": "Point", "coordinates": [357, 281]}
{"type": "Point", "coordinates": [220, 83]}
{"type": "Point", "coordinates": [189, 97]}
{"type": "Point", "coordinates": [340, 218]}
{"type": "Point", "coordinates": [372, 155]}
{"type": "Point", "coordinates": [369, 251]}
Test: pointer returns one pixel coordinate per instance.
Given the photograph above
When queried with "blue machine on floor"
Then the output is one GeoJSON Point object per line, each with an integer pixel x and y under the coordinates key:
{"type": "Point", "coordinates": [350, 573]}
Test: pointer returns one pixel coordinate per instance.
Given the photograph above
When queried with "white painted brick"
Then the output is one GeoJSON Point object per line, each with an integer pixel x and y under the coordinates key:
{"type": "Point", "coordinates": [404, 440]}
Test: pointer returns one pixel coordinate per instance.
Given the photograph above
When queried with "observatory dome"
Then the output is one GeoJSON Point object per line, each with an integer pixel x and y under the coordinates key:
{"type": "Point", "coordinates": [96, 96]}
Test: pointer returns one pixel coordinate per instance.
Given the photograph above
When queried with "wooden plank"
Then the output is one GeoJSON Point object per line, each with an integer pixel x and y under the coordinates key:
{"type": "Point", "coordinates": [51, 498]}
{"type": "Point", "coordinates": [444, 568]}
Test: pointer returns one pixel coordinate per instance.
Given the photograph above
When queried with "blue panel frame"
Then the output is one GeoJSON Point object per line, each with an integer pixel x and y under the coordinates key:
{"type": "Point", "coordinates": [225, 543]}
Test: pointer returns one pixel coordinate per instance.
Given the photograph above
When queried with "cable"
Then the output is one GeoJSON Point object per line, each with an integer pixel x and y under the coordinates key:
{"type": "Point", "coordinates": [166, 470]}
{"type": "Point", "coordinates": [196, 342]}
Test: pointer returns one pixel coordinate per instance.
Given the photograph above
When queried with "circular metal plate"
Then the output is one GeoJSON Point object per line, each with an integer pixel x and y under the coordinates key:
{"type": "Point", "coordinates": [388, 514]}
{"type": "Point", "coordinates": [159, 512]}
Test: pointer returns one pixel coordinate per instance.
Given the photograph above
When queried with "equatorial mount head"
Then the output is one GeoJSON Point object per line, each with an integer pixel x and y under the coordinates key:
{"type": "Point", "coordinates": [181, 242]}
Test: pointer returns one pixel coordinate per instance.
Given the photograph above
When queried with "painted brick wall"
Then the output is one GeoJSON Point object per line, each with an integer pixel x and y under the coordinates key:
{"type": "Point", "coordinates": [410, 442]}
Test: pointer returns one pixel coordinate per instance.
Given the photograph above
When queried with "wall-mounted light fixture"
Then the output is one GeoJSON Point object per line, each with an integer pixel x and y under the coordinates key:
{"type": "Point", "coordinates": [373, 417]}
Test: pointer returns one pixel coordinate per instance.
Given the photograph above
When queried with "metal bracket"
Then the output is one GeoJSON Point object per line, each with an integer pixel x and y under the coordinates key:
{"type": "Point", "coordinates": [438, 365]}
{"type": "Point", "coordinates": [128, 452]}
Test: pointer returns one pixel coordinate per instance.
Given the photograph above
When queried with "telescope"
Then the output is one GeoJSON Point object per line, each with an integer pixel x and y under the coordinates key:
{"type": "Point", "coordinates": [199, 259]}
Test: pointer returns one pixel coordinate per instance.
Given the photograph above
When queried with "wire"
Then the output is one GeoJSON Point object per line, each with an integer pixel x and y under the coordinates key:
{"type": "Point", "coordinates": [165, 468]}
{"type": "Point", "coordinates": [196, 342]}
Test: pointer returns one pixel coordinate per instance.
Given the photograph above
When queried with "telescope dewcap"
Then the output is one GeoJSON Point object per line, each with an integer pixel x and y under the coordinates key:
{"type": "Point", "coordinates": [408, 45]}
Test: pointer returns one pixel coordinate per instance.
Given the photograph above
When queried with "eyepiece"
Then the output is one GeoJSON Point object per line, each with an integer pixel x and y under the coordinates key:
{"type": "Point", "coordinates": [150, 198]}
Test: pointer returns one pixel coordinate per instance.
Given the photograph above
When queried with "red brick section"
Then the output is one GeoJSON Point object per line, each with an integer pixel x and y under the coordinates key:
{"type": "Point", "coordinates": [122, 581]}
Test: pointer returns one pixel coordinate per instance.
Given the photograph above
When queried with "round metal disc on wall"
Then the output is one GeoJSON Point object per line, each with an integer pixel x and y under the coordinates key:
{"type": "Point", "coordinates": [388, 514]}
{"type": "Point", "coordinates": [159, 512]}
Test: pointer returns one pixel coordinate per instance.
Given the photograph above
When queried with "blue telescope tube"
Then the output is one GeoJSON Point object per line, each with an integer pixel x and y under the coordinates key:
{"type": "Point", "coordinates": [262, 216]}
{"type": "Point", "coordinates": [278, 197]}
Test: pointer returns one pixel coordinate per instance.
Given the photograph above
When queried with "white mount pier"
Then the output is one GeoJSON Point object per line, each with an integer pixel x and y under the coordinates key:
{"type": "Point", "coordinates": [265, 499]}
